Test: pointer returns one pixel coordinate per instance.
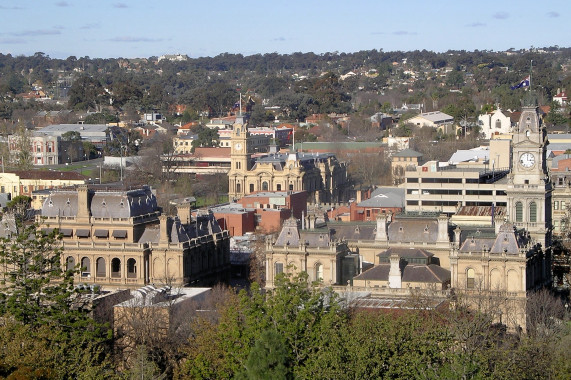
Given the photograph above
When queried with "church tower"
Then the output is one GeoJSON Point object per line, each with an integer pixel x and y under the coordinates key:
{"type": "Point", "coordinates": [529, 188]}
{"type": "Point", "coordinates": [240, 161]}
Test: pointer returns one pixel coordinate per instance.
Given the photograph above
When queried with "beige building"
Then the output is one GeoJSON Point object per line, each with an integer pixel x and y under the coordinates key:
{"type": "Point", "coordinates": [119, 238]}
{"type": "Point", "coordinates": [320, 174]}
{"type": "Point", "coordinates": [25, 182]}
{"type": "Point", "coordinates": [311, 250]}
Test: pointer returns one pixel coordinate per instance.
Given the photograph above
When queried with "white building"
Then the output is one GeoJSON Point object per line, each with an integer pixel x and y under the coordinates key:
{"type": "Point", "coordinates": [494, 123]}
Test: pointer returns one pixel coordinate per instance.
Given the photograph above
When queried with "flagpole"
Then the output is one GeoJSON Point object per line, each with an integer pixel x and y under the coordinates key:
{"type": "Point", "coordinates": [530, 73]}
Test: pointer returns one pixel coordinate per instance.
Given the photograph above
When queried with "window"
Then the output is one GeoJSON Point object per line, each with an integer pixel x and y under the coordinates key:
{"type": "Point", "coordinates": [251, 188]}
{"type": "Point", "coordinates": [318, 272]}
{"type": "Point", "coordinates": [290, 187]}
{"type": "Point", "coordinates": [70, 263]}
{"type": "Point", "coordinates": [131, 268]}
{"type": "Point", "coordinates": [116, 268]}
{"type": "Point", "coordinates": [518, 212]}
{"type": "Point", "coordinates": [264, 186]}
{"type": "Point", "coordinates": [279, 187]}
{"type": "Point", "coordinates": [100, 267]}
{"type": "Point", "coordinates": [278, 268]}
{"type": "Point", "coordinates": [238, 188]}
{"type": "Point", "coordinates": [555, 205]}
{"type": "Point", "coordinates": [498, 124]}
{"type": "Point", "coordinates": [85, 267]}
{"type": "Point", "coordinates": [533, 212]}
{"type": "Point", "coordinates": [238, 166]}
{"type": "Point", "coordinates": [470, 278]}
{"type": "Point", "coordinates": [562, 205]}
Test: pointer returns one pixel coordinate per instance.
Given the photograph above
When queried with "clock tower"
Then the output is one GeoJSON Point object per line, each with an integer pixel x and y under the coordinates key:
{"type": "Point", "coordinates": [529, 188]}
{"type": "Point", "coordinates": [240, 161]}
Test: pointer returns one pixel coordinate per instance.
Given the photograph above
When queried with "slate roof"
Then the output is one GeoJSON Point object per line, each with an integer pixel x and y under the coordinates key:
{"type": "Point", "coordinates": [48, 175]}
{"type": "Point", "coordinates": [413, 230]}
{"type": "Point", "coordinates": [507, 241]}
{"type": "Point", "coordinates": [353, 231]}
{"type": "Point", "coordinates": [102, 204]}
{"type": "Point", "coordinates": [411, 273]}
{"type": "Point", "coordinates": [290, 235]}
{"type": "Point", "coordinates": [385, 197]}
{"type": "Point", "coordinates": [406, 253]}
{"type": "Point", "coordinates": [407, 153]}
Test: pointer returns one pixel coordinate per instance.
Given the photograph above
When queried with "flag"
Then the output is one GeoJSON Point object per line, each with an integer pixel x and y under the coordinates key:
{"type": "Point", "coordinates": [523, 83]}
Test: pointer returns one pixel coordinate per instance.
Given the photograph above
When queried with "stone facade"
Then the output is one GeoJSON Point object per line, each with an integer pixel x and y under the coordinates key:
{"type": "Point", "coordinates": [321, 175]}
{"type": "Point", "coordinates": [120, 238]}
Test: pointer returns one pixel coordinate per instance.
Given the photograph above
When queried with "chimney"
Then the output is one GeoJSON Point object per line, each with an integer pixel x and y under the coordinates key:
{"type": "Point", "coordinates": [395, 276]}
{"type": "Point", "coordinates": [381, 234]}
{"type": "Point", "coordinates": [183, 211]}
{"type": "Point", "coordinates": [443, 229]}
{"type": "Point", "coordinates": [164, 235]}
{"type": "Point", "coordinates": [82, 204]}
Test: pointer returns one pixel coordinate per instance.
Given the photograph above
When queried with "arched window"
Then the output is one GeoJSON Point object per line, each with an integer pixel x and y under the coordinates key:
{"type": "Point", "coordinates": [237, 131]}
{"type": "Point", "coordinates": [533, 212]}
{"type": "Point", "coordinates": [70, 263]}
{"type": "Point", "coordinates": [470, 278]}
{"type": "Point", "coordinates": [100, 267]}
{"type": "Point", "coordinates": [279, 187]}
{"type": "Point", "coordinates": [278, 268]}
{"type": "Point", "coordinates": [238, 188]}
{"type": "Point", "coordinates": [518, 212]}
{"type": "Point", "coordinates": [318, 272]}
{"type": "Point", "coordinates": [498, 124]}
{"type": "Point", "coordinates": [251, 188]}
{"type": "Point", "coordinates": [116, 268]}
{"type": "Point", "coordinates": [131, 268]}
{"type": "Point", "coordinates": [264, 186]}
{"type": "Point", "coordinates": [85, 267]}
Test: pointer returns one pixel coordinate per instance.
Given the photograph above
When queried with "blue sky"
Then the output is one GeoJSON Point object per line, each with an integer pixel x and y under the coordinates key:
{"type": "Point", "coordinates": [144, 28]}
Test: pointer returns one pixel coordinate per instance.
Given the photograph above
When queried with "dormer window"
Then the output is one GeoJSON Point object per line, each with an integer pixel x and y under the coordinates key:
{"type": "Point", "coordinates": [401, 229]}
{"type": "Point", "coordinates": [104, 203]}
{"type": "Point", "coordinates": [122, 204]}
{"type": "Point", "coordinates": [68, 202]}
{"type": "Point", "coordinates": [51, 204]}
{"type": "Point", "coordinates": [426, 229]}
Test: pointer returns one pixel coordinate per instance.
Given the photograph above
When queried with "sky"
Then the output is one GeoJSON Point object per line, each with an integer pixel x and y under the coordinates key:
{"type": "Point", "coordinates": [197, 28]}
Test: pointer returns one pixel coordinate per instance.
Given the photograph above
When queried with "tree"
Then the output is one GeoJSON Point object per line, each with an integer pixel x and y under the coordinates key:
{"type": "Point", "coordinates": [268, 358]}
{"type": "Point", "coordinates": [71, 136]}
{"type": "Point", "coordinates": [23, 153]}
{"type": "Point", "coordinates": [42, 307]}
{"type": "Point", "coordinates": [207, 137]}
{"type": "Point", "coordinates": [87, 93]}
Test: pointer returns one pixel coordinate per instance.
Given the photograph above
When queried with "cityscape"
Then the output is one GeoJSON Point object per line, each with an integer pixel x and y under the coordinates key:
{"type": "Point", "coordinates": [362, 214]}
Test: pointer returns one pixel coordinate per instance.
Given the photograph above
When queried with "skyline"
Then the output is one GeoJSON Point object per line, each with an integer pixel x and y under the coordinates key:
{"type": "Point", "coordinates": [141, 29]}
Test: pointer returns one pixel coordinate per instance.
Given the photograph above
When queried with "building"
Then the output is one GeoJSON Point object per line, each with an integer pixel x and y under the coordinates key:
{"type": "Point", "coordinates": [435, 119]}
{"type": "Point", "coordinates": [98, 134]}
{"type": "Point", "coordinates": [495, 123]}
{"type": "Point", "coordinates": [119, 238]}
{"type": "Point", "coordinates": [321, 175]}
{"type": "Point", "coordinates": [311, 250]}
{"type": "Point", "coordinates": [25, 182]}
{"type": "Point", "coordinates": [402, 161]}
{"type": "Point", "coordinates": [45, 149]}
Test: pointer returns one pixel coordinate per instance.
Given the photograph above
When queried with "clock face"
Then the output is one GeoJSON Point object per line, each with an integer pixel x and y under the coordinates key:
{"type": "Point", "coordinates": [527, 160]}
{"type": "Point", "coordinates": [238, 146]}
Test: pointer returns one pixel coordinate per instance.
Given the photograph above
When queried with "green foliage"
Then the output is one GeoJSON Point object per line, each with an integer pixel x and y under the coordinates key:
{"type": "Point", "coordinates": [71, 136]}
{"type": "Point", "coordinates": [45, 319]}
{"type": "Point", "coordinates": [20, 202]}
{"type": "Point", "coordinates": [207, 137]}
{"type": "Point", "coordinates": [86, 93]}
{"type": "Point", "coordinates": [268, 358]}
{"type": "Point", "coordinates": [101, 118]}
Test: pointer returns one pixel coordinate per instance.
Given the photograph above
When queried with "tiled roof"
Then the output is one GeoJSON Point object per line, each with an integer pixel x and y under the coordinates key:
{"type": "Point", "coordinates": [411, 273]}
{"type": "Point", "coordinates": [49, 175]}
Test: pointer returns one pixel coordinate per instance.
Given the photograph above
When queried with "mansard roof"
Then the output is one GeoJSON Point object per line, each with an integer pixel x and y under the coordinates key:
{"type": "Point", "coordinates": [431, 273]}
{"type": "Point", "coordinates": [290, 235]}
{"type": "Point", "coordinates": [508, 241]}
{"type": "Point", "coordinates": [413, 230]}
{"type": "Point", "coordinates": [102, 203]}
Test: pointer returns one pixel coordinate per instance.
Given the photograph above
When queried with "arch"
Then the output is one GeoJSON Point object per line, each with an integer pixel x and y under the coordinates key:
{"type": "Point", "coordinates": [513, 281]}
{"type": "Point", "coordinates": [533, 212]}
{"type": "Point", "coordinates": [495, 279]}
{"type": "Point", "coordinates": [265, 186]}
{"type": "Point", "coordinates": [498, 124]}
{"type": "Point", "coordinates": [518, 212]}
{"type": "Point", "coordinates": [238, 188]}
{"type": "Point", "coordinates": [131, 268]}
{"type": "Point", "coordinates": [470, 278]}
{"type": "Point", "coordinates": [70, 263]}
{"type": "Point", "coordinates": [85, 267]}
{"type": "Point", "coordinates": [116, 268]}
{"type": "Point", "coordinates": [100, 267]}
{"type": "Point", "coordinates": [158, 268]}
{"type": "Point", "coordinates": [171, 269]}
{"type": "Point", "coordinates": [318, 272]}
{"type": "Point", "coordinates": [237, 131]}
